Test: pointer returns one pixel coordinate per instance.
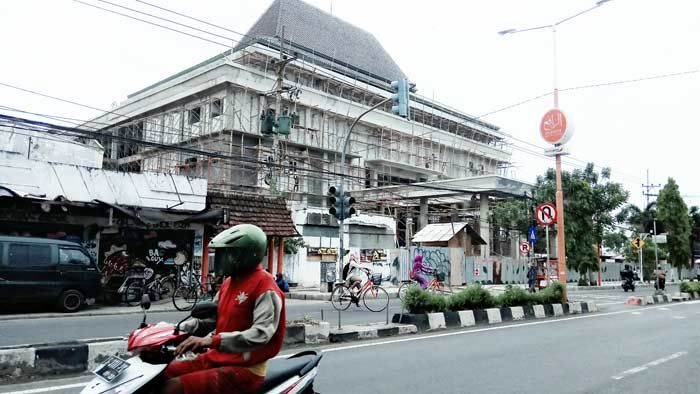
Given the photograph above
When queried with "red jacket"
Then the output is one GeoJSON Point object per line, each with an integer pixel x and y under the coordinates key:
{"type": "Point", "coordinates": [237, 300]}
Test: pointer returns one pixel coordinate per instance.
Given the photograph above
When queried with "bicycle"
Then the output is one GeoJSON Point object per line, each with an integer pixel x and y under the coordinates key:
{"type": "Point", "coordinates": [436, 285]}
{"type": "Point", "coordinates": [136, 284]}
{"type": "Point", "coordinates": [374, 297]}
{"type": "Point", "coordinates": [186, 296]}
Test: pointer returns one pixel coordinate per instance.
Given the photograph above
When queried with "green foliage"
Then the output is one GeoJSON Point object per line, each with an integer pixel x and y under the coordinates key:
{"type": "Point", "coordinates": [694, 217]}
{"type": "Point", "coordinates": [418, 300]}
{"type": "Point", "coordinates": [589, 202]}
{"type": "Point", "coordinates": [292, 245]}
{"type": "Point", "coordinates": [690, 287]}
{"type": "Point", "coordinates": [472, 297]}
{"type": "Point", "coordinates": [510, 215]}
{"type": "Point", "coordinates": [514, 296]}
{"type": "Point", "coordinates": [673, 213]}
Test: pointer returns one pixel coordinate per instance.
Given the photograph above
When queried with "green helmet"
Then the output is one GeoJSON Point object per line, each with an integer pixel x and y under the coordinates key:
{"type": "Point", "coordinates": [239, 249]}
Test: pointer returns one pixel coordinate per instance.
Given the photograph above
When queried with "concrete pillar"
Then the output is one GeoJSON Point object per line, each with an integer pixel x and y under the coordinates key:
{"type": "Point", "coordinates": [270, 253]}
{"type": "Point", "coordinates": [423, 215]}
{"type": "Point", "coordinates": [484, 227]}
{"type": "Point", "coordinates": [280, 254]}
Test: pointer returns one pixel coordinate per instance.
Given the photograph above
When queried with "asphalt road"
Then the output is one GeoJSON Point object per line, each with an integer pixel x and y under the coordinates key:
{"type": "Point", "coordinates": [637, 350]}
{"type": "Point", "coordinates": [68, 328]}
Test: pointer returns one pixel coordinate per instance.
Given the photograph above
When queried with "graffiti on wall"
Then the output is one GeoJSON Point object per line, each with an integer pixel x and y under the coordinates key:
{"type": "Point", "coordinates": [437, 258]}
{"type": "Point", "coordinates": [161, 250]}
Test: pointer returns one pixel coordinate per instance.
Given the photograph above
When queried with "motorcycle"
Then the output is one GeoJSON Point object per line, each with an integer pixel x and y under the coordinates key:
{"type": "Point", "coordinates": [153, 346]}
{"type": "Point", "coordinates": [628, 284]}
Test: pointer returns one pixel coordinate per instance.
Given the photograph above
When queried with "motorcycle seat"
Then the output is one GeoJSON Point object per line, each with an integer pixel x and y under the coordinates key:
{"type": "Point", "coordinates": [280, 370]}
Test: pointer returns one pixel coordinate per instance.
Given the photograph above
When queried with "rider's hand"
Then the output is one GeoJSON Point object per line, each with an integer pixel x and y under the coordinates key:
{"type": "Point", "coordinates": [192, 344]}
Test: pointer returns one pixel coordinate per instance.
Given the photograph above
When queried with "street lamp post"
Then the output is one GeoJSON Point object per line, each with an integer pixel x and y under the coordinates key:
{"type": "Point", "coordinates": [559, 151]}
{"type": "Point", "coordinates": [341, 230]}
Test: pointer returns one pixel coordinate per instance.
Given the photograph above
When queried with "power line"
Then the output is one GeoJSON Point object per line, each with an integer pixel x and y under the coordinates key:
{"type": "Point", "coordinates": [193, 18]}
{"type": "Point", "coordinates": [168, 20]}
{"type": "Point", "coordinates": [152, 23]}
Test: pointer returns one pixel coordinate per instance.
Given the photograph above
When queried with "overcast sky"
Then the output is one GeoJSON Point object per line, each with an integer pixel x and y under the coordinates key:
{"type": "Point", "coordinates": [449, 48]}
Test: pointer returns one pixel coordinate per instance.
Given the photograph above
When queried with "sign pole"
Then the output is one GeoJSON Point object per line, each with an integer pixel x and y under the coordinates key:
{"type": "Point", "coordinates": [546, 231]}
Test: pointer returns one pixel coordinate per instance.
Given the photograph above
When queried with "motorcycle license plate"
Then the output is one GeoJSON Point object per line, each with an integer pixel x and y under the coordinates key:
{"type": "Point", "coordinates": [111, 368]}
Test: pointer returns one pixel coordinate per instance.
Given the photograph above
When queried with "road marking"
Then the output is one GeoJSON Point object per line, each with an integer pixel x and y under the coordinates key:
{"type": "Point", "coordinates": [663, 308]}
{"type": "Point", "coordinates": [472, 331]}
{"type": "Point", "coordinates": [636, 313]}
{"type": "Point", "coordinates": [679, 317]}
{"type": "Point", "coordinates": [654, 363]}
{"type": "Point", "coordinates": [47, 389]}
{"type": "Point", "coordinates": [410, 339]}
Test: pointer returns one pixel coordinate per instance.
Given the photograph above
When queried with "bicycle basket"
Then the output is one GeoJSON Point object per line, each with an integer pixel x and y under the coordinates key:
{"type": "Point", "coordinates": [440, 276]}
{"type": "Point", "coordinates": [377, 279]}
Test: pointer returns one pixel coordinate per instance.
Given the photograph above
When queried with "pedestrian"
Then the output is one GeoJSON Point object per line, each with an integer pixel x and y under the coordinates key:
{"type": "Point", "coordinates": [660, 278]}
{"type": "Point", "coordinates": [282, 283]}
{"type": "Point", "coordinates": [532, 277]}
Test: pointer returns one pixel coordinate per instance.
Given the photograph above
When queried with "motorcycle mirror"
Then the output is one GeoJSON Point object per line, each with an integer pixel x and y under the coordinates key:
{"type": "Point", "coordinates": [204, 310]}
{"type": "Point", "coordinates": [145, 302]}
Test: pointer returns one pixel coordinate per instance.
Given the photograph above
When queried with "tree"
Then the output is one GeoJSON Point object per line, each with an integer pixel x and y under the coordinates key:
{"type": "Point", "coordinates": [640, 221]}
{"type": "Point", "coordinates": [673, 213]}
{"type": "Point", "coordinates": [510, 215]}
{"type": "Point", "coordinates": [694, 217]}
{"type": "Point", "coordinates": [589, 202]}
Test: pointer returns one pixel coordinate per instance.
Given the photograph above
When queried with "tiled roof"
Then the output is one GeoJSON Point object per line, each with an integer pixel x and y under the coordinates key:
{"type": "Point", "coordinates": [269, 213]}
{"type": "Point", "coordinates": [313, 30]}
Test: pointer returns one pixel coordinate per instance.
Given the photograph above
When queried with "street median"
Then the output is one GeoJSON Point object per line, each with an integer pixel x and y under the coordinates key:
{"type": "Point", "coordinates": [468, 318]}
{"type": "Point", "coordinates": [28, 362]}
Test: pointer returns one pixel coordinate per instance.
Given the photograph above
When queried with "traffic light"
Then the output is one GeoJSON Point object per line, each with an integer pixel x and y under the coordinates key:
{"type": "Point", "coordinates": [267, 121]}
{"type": "Point", "coordinates": [334, 201]}
{"type": "Point", "coordinates": [401, 97]}
{"type": "Point", "coordinates": [348, 210]}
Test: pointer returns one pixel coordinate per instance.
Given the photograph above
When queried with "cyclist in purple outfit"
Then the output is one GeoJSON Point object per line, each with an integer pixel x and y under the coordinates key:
{"type": "Point", "coordinates": [418, 269]}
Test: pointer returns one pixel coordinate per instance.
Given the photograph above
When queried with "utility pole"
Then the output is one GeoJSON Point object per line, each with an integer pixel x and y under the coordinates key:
{"type": "Point", "coordinates": [281, 64]}
{"type": "Point", "coordinates": [647, 193]}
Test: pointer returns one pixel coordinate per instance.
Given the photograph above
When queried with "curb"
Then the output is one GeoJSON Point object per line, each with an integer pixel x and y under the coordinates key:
{"type": "Point", "coordinates": [661, 299]}
{"type": "Point", "coordinates": [469, 318]}
{"type": "Point", "coordinates": [370, 331]}
{"type": "Point", "coordinates": [22, 361]}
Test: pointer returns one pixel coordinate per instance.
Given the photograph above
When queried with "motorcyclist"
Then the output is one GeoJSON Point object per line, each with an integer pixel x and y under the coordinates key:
{"type": "Point", "coordinates": [250, 323]}
{"type": "Point", "coordinates": [627, 273]}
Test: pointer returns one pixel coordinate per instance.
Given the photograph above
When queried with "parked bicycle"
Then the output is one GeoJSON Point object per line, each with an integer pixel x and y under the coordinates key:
{"type": "Point", "coordinates": [436, 285]}
{"type": "Point", "coordinates": [138, 282]}
{"type": "Point", "coordinates": [373, 295]}
{"type": "Point", "coordinates": [190, 289]}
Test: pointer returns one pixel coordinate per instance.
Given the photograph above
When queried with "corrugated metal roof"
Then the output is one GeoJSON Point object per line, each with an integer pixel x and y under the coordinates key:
{"type": "Point", "coordinates": [438, 232]}
{"type": "Point", "coordinates": [50, 181]}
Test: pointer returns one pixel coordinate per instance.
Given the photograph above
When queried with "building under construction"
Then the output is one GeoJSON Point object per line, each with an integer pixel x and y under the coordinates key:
{"type": "Point", "coordinates": [211, 121]}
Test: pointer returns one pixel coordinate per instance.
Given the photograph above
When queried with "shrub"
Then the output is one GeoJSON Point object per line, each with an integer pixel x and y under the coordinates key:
{"type": "Point", "coordinates": [418, 300]}
{"type": "Point", "coordinates": [513, 296]}
{"type": "Point", "coordinates": [472, 297]}
{"type": "Point", "coordinates": [690, 287]}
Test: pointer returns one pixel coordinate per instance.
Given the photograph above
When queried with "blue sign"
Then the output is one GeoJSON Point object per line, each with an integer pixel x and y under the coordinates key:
{"type": "Point", "coordinates": [533, 235]}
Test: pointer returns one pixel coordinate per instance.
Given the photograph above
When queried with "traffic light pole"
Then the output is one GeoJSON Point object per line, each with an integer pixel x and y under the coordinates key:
{"type": "Point", "coordinates": [341, 230]}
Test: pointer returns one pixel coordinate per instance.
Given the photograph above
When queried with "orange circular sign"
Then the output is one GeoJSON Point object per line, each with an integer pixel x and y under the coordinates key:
{"type": "Point", "coordinates": [553, 127]}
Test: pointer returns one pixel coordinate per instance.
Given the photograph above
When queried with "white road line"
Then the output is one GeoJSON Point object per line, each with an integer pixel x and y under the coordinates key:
{"type": "Point", "coordinates": [679, 317]}
{"type": "Point", "coordinates": [409, 339]}
{"type": "Point", "coordinates": [47, 389]}
{"type": "Point", "coordinates": [636, 313]}
{"type": "Point", "coordinates": [654, 363]}
{"type": "Point", "coordinates": [663, 308]}
{"type": "Point", "coordinates": [496, 328]}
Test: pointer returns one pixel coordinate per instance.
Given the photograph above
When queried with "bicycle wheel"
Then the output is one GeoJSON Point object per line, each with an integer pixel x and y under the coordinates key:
{"type": "Point", "coordinates": [403, 289]}
{"type": "Point", "coordinates": [184, 298]}
{"type": "Point", "coordinates": [341, 298]}
{"type": "Point", "coordinates": [133, 293]}
{"type": "Point", "coordinates": [375, 298]}
{"type": "Point", "coordinates": [167, 287]}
